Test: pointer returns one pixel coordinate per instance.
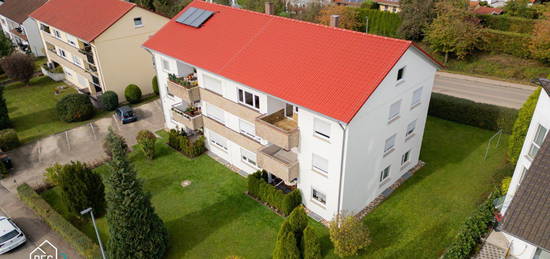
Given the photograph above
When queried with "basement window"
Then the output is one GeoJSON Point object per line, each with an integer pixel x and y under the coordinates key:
{"type": "Point", "coordinates": [138, 22]}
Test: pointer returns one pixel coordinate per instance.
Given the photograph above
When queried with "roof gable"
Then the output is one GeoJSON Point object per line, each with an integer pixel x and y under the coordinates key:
{"type": "Point", "coordinates": [19, 10]}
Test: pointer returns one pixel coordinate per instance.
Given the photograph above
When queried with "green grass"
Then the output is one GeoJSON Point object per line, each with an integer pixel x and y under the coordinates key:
{"type": "Point", "coordinates": [212, 218]}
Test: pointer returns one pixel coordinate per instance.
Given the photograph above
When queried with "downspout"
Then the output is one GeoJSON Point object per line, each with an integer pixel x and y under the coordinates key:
{"type": "Point", "coordinates": [340, 188]}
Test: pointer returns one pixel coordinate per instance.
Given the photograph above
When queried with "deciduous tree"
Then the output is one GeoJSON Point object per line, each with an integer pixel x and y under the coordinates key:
{"type": "Point", "coordinates": [348, 16]}
{"type": "Point", "coordinates": [540, 41]}
{"type": "Point", "coordinates": [348, 234]}
{"type": "Point", "coordinates": [18, 66]}
{"type": "Point", "coordinates": [415, 15]}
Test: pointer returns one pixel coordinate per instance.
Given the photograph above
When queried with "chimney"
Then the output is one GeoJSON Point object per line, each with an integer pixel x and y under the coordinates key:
{"type": "Point", "coordinates": [334, 19]}
{"type": "Point", "coordinates": [269, 8]}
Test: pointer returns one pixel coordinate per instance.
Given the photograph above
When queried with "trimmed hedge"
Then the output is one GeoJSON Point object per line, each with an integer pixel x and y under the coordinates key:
{"type": "Point", "coordinates": [78, 240]}
{"type": "Point", "coordinates": [259, 188]}
{"type": "Point", "coordinates": [181, 142]}
{"type": "Point", "coordinates": [507, 23]}
{"type": "Point", "coordinates": [511, 43]}
{"type": "Point", "coordinates": [109, 100]}
{"type": "Point", "coordinates": [75, 107]}
{"type": "Point", "coordinates": [475, 227]}
{"type": "Point", "coordinates": [521, 126]}
{"type": "Point", "coordinates": [8, 139]}
{"type": "Point", "coordinates": [481, 115]}
{"type": "Point", "coordinates": [380, 23]}
{"type": "Point", "coordinates": [155, 84]}
{"type": "Point", "coordinates": [132, 93]}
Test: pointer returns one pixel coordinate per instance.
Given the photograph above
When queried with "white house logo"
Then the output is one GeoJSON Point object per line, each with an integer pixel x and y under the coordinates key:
{"type": "Point", "coordinates": [44, 251]}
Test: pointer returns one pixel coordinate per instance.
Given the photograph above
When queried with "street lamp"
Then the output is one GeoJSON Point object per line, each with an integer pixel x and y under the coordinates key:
{"type": "Point", "coordinates": [95, 227]}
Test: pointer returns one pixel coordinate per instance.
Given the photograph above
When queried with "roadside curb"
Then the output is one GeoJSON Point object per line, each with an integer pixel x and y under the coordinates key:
{"type": "Point", "coordinates": [484, 80]}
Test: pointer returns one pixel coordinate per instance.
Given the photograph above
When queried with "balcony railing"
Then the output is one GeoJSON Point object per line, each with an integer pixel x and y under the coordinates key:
{"type": "Point", "coordinates": [278, 129]}
{"type": "Point", "coordinates": [281, 163]}
{"type": "Point", "coordinates": [86, 50]}
{"type": "Point", "coordinates": [185, 88]}
{"type": "Point", "coordinates": [91, 69]}
{"type": "Point", "coordinates": [190, 117]}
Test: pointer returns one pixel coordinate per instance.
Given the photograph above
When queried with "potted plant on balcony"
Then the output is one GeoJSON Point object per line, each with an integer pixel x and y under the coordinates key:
{"type": "Point", "coordinates": [192, 111]}
{"type": "Point", "coordinates": [185, 81]}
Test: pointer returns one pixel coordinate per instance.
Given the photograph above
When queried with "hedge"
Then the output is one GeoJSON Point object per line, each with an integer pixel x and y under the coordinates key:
{"type": "Point", "coordinates": [259, 188]}
{"type": "Point", "coordinates": [181, 142]}
{"type": "Point", "coordinates": [78, 240]}
{"type": "Point", "coordinates": [471, 232]}
{"type": "Point", "coordinates": [507, 23]}
{"type": "Point", "coordinates": [481, 115]}
{"type": "Point", "coordinates": [380, 23]}
{"type": "Point", "coordinates": [521, 126]}
{"type": "Point", "coordinates": [8, 139]}
{"type": "Point", "coordinates": [132, 93]}
{"type": "Point", "coordinates": [511, 43]}
{"type": "Point", "coordinates": [75, 107]}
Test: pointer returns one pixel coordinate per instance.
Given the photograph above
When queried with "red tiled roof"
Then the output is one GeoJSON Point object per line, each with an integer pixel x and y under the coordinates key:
{"type": "Point", "coordinates": [487, 10]}
{"type": "Point", "coordinates": [328, 70]}
{"type": "Point", "coordinates": [85, 19]}
{"type": "Point", "coordinates": [19, 10]}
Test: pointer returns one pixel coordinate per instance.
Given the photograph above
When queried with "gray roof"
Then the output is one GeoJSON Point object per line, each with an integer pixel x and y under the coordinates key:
{"type": "Point", "coordinates": [528, 216]}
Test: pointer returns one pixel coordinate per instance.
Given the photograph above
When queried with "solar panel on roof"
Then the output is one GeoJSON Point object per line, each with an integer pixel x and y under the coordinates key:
{"type": "Point", "coordinates": [194, 17]}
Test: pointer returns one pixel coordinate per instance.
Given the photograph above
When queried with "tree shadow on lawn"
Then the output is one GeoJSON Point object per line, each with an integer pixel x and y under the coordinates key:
{"type": "Point", "coordinates": [32, 120]}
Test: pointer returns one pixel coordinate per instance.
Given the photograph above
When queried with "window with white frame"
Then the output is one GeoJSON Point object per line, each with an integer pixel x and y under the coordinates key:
{"type": "Point", "coordinates": [248, 157]}
{"type": "Point", "coordinates": [213, 84]}
{"type": "Point", "coordinates": [394, 110]}
{"type": "Point", "coordinates": [138, 22]}
{"type": "Point", "coordinates": [537, 141]}
{"type": "Point", "coordinates": [76, 61]}
{"type": "Point", "coordinates": [405, 157]}
{"type": "Point", "coordinates": [62, 53]}
{"type": "Point", "coordinates": [401, 74]}
{"type": "Point", "coordinates": [410, 128]}
{"type": "Point", "coordinates": [218, 141]}
{"type": "Point", "coordinates": [417, 96]}
{"type": "Point", "coordinates": [248, 129]}
{"type": "Point", "coordinates": [385, 174]}
{"type": "Point", "coordinates": [319, 163]}
{"type": "Point", "coordinates": [165, 65]}
{"type": "Point", "coordinates": [318, 196]}
{"type": "Point", "coordinates": [249, 99]}
{"type": "Point", "coordinates": [321, 128]}
{"type": "Point", "coordinates": [71, 40]}
{"type": "Point", "coordinates": [215, 113]}
{"type": "Point", "coordinates": [57, 34]}
{"type": "Point", "coordinates": [390, 143]}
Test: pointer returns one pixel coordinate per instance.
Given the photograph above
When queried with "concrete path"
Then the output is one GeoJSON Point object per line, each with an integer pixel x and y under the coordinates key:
{"type": "Point", "coordinates": [482, 90]}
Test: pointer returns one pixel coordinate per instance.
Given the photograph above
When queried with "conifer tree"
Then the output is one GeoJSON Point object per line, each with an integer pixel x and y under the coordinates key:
{"type": "Point", "coordinates": [311, 247]}
{"type": "Point", "coordinates": [286, 247]}
{"type": "Point", "coordinates": [4, 116]}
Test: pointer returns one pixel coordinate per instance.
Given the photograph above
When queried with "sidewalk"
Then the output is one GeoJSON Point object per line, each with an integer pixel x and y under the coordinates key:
{"type": "Point", "coordinates": [485, 80]}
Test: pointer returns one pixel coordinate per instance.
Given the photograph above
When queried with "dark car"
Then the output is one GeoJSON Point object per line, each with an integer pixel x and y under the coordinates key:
{"type": "Point", "coordinates": [125, 114]}
{"type": "Point", "coordinates": [4, 158]}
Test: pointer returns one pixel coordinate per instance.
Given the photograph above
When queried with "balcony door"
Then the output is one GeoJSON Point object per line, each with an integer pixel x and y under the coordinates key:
{"type": "Point", "coordinates": [290, 112]}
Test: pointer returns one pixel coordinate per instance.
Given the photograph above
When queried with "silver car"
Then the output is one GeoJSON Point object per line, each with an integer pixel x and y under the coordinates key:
{"type": "Point", "coordinates": [10, 235]}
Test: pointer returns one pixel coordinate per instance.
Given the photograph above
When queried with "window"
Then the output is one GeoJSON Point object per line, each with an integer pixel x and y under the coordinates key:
{"type": "Point", "coordinates": [537, 141]}
{"type": "Point", "coordinates": [213, 84]}
{"type": "Point", "coordinates": [417, 96]}
{"type": "Point", "coordinates": [319, 196]}
{"type": "Point", "coordinates": [410, 128]}
{"type": "Point", "coordinates": [390, 143]}
{"type": "Point", "coordinates": [400, 74]}
{"type": "Point", "coordinates": [384, 174]}
{"type": "Point", "coordinates": [405, 157]}
{"type": "Point", "coordinates": [165, 65]}
{"type": "Point", "coordinates": [57, 34]}
{"type": "Point", "coordinates": [523, 172]}
{"type": "Point", "coordinates": [215, 113]}
{"type": "Point", "coordinates": [394, 110]}
{"type": "Point", "coordinates": [62, 53]}
{"type": "Point", "coordinates": [319, 163]}
{"type": "Point", "coordinates": [248, 157]}
{"type": "Point", "coordinates": [248, 129]}
{"type": "Point", "coordinates": [71, 40]}
{"type": "Point", "coordinates": [321, 128]}
{"type": "Point", "coordinates": [45, 28]}
{"type": "Point", "coordinates": [76, 60]}
{"type": "Point", "coordinates": [138, 22]}
{"type": "Point", "coordinates": [249, 99]}
{"type": "Point", "coordinates": [218, 141]}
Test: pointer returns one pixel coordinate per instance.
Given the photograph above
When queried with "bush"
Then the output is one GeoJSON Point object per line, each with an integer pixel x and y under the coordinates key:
{"type": "Point", "coordinates": [259, 188]}
{"type": "Point", "coordinates": [18, 66]}
{"type": "Point", "coordinates": [180, 142]}
{"type": "Point", "coordinates": [505, 185]}
{"type": "Point", "coordinates": [481, 115]}
{"type": "Point", "coordinates": [8, 139]}
{"type": "Point", "coordinates": [515, 44]}
{"type": "Point", "coordinates": [521, 126]}
{"type": "Point", "coordinates": [81, 188]}
{"type": "Point", "coordinates": [507, 23]}
{"type": "Point", "coordinates": [3, 170]}
{"type": "Point", "coordinates": [132, 93]}
{"type": "Point", "coordinates": [5, 122]}
{"type": "Point", "coordinates": [75, 107]}
{"type": "Point", "coordinates": [109, 100]}
{"type": "Point", "coordinates": [52, 174]}
{"type": "Point", "coordinates": [111, 138]}
{"type": "Point", "coordinates": [155, 84]}
{"type": "Point", "coordinates": [78, 240]}
{"type": "Point", "coordinates": [146, 139]}
{"type": "Point", "coordinates": [298, 220]}
{"type": "Point", "coordinates": [311, 246]}
{"type": "Point", "coordinates": [348, 235]}
{"type": "Point", "coordinates": [286, 248]}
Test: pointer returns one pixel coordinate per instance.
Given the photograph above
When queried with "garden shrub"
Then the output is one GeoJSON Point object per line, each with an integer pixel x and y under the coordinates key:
{"type": "Point", "coordinates": [78, 240]}
{"type": "Point", "coordinates": [311, 246]}
{"type": "Point", "coordinates": [8, 139]}
{"type": "Point", "coordinates": [180, 142]}
{"type": "Point", "coordinates": [286, 248]}
{"type": "Point", "coordinates": [471, 232]}
{"type": "Point", "coordinates": [502, 42]}
{"type": "Point", "coordinates": [348, 234]}
{"type": "Point", "coordinates": [507, 23]}
{"type": "Point", "coordinates": [521, 126]}
{"type": "Point", "coordinates": [481, 115]}
{"type": "Point", "coordinates": [52, 174]}
{"type": "Point", "coordinates": [132, 93]}
{"type": "Point", "coordinates": [109, 100]}
{"type": "Point", "coordinates": [81, 188]}
{"type": "Point", "coordinates": [259, 188]}
{"type": "Point", "coordinates": [155, 84]}
{"type": "Point", "coordinates": [3, 170]}
{"type": "Point", "coordinates": [146, 139]}
{"type": "Point", "coordinates": [18, 66]}
{"type": "Point", "coordinates": [505, 184]}
{"type": "Point", "coordinates": [75, 107]}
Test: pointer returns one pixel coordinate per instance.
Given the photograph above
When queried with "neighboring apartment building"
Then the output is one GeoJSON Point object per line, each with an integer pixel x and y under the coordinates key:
{"type": "Point", "coordinates": [98, 43]}
{"type": "Point", "coordinates": [338, 114]}
{"type": "Point", "coordinates": [19, 27]}
{"type": "Point", "coordinates": [526, 208]}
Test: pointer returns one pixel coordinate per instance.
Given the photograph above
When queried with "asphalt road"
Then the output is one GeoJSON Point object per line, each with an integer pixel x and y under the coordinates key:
{"type": "Point", "coordinates": [482, 90]}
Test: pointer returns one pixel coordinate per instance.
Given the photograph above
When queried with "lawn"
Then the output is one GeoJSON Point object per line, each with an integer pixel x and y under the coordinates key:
{"type": "Point", "coordinates": [212, 218]}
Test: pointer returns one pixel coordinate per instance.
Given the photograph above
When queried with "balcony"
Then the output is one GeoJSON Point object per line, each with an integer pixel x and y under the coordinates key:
{"type": "Point", "coordinates": [85, 49]}
{"type": "Point", "coordinates": [185, 88]}
{"type": "Point", "coordinates": [281, 163]}
{"type": "Point", "coordinates": [91, 69]}
{"type": "Point", "coordinates": [188, 116]}
{"type": "Point", "coordinates": [278, 129]}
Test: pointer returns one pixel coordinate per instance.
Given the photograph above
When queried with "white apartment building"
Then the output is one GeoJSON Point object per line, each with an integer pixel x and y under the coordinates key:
{"type": "Point", "coordinates": [338, 114]}
{"type": "Point", "coordinates": [18, 26]}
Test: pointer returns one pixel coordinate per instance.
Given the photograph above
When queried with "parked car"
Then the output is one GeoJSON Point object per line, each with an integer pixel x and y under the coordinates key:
{"type": "Point", "coordinates": [10, 235]}
{"type": "Point", "coordinates": [125, 114]}
{"type": "Point", "coordinates": [4, 158]}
